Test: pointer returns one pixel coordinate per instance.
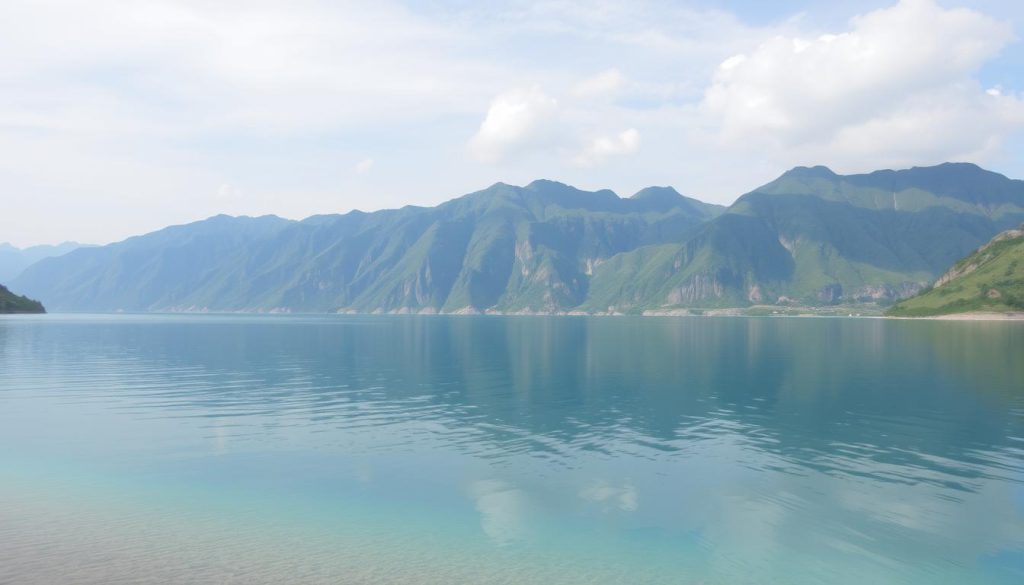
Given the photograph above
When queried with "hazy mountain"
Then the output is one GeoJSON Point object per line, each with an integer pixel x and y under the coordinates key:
{"type": "Point", "coordinates": [12, 303]}
{"type": "Point", "coordinates": [815, 237]}
{"type": "Point", "coordinates": [14, 260]}
{"type": "Point", "coordinates": [154, 271]}
{"type": "Point", "coordinates": [990, 279]}
{"type": "Point", "coordinates": [508, 248]}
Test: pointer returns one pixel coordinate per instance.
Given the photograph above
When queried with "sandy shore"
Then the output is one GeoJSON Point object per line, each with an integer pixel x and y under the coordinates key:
{"type": "Point", "coordinates": [972, 317]}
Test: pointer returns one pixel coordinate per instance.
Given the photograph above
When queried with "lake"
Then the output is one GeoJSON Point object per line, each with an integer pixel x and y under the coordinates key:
{"type": "Point", "coordinates": [554, 450]}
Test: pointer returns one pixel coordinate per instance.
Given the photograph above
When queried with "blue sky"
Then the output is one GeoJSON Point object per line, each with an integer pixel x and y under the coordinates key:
{"type": "Point", "coordinates": [118, 117]}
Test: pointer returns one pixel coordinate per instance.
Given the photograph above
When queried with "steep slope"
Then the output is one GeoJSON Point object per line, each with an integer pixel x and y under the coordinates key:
{"type": "Point", "coordinates": [989, 280]}
{"type": "Point", "coordinates": [14, 260]}
{"type": "Point", "coordinates": [815, 237]}
{"type": "Point", "coordinates": [504, 248]}
{"type": "Point", "coordinates": [12, 303]}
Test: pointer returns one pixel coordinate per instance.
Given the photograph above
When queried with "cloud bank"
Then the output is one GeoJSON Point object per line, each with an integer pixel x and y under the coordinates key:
{"type": "Point", "coordinates": [122, 117]}
{"type": "Point", "coordinates": [898, 87]}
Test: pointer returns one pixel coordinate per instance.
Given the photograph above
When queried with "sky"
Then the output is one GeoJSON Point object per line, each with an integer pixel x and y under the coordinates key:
{"type": "Point", "coordinates": [122, 117]}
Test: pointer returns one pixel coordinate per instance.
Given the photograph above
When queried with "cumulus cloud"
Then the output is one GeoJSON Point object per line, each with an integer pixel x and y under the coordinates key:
{"type": "Point", "coordinates": [515, 121]}
{"type": "Point", "coordinates": [530, 121]}
{"type": "Point", "coordinates": [600, 149]}
{"type": "Point", "coordinates": [898, 80]}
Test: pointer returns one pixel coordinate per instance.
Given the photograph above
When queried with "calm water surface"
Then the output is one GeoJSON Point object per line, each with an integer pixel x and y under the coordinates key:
{"type": "Point", "coordinates": [199, 449]}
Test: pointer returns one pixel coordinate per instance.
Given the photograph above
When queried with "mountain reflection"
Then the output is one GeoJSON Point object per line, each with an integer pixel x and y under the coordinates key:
{"type": "Point", "coordinates": [882, 391]}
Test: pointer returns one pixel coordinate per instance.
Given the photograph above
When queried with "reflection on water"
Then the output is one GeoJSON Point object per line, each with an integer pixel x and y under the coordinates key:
{"type": "Point", "coordinates": [510, 449]}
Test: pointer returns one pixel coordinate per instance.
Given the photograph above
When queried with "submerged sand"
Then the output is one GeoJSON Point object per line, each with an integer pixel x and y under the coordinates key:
{"type": "Point", "coordinates": [978, 316]}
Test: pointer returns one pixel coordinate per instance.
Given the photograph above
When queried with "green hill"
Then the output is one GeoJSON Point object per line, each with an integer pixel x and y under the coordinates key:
{"type": "Point", "coordinates": [989, 280]}
{"type": "Point", "coordinates": [12, 303]}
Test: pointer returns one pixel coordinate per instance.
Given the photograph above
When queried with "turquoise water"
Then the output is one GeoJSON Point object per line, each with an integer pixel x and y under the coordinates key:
{"type": "Point", "coordinates": [402, 449]}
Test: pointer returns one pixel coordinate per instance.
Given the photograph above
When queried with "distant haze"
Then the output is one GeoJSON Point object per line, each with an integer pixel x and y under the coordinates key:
{"type": "Point", "coordinates": [14, 260]}
{"type": "Point", "coordinates": [118, 118]}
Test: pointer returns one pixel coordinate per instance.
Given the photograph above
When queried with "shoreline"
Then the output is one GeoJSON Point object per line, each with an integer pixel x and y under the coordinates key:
{"type": "Point", "coordinates": [978, 316]}
{"type": "Point", "coordinates": [759, 312]}
{"type": "Point", "coordinates": [959, 317]}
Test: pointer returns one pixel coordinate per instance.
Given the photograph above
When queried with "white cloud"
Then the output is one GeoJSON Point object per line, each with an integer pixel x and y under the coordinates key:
{"type": "Point", "coordinates": [606, 83]}
{"type": "Point", "coordinates": [896, 87]}
{"type": "Point", "coordinates": [958, 123]}
{"type": "Point", "coordinates": [601, 149]}
{"type": "Point", "coordinates": [362, 167]}
{"type": "Point", "coordinates": [515, 121]}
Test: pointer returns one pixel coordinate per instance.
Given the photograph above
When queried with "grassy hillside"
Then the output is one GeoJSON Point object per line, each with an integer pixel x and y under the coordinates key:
{"type": "Point", "coordinates": [989, 280]}
{"type": "Point", "coordinates": [12, 303]}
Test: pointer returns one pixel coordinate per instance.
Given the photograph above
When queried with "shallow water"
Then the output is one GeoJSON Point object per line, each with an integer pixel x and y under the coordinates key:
{"type": "Point", "coordinates": [268, 449]}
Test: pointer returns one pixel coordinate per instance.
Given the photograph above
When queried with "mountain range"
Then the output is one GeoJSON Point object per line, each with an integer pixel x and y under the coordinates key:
{"type": "Point", "coordinates": [811, 237]}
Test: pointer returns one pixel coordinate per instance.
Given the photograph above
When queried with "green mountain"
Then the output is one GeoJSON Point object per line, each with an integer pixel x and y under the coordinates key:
{"type": "Point", "coordinates": [504, 248]}
{"type": "Point", "coordinates": [14, 260]}
{"type": "Point", "coordinates": [989, 280]}
{"type": "Point", "coordinates": [811, 237]}
{"type": "Point", "coordinates": [12, 303]}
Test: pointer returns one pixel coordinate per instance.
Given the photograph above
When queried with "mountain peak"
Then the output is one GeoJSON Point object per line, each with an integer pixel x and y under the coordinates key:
{"type": "Point", "coordinates": [815, 172]}
{"type": "Point", "coordinates": [946, 169]}
{"type": "Point", "coordinates": [957, 165]}
{"type": "Point", "coordinates": [538, 184]}
{"type": "Point", "coordinates": [658, 198]}
{"type": "Point", "coordinates": [657, 194]}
